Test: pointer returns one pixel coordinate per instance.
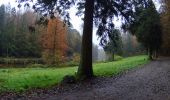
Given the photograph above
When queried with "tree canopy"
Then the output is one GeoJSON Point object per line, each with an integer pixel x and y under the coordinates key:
{"type": "Point", "coordinates": [147, 27]}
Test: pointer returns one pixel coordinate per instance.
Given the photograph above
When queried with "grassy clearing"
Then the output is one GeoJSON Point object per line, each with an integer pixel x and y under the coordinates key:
{"type": "Point", "coordinates": [18, 79]}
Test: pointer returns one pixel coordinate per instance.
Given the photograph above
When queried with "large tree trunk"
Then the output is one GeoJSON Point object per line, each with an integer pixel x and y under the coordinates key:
{"type": "Point", "coordinates": [85, 69]}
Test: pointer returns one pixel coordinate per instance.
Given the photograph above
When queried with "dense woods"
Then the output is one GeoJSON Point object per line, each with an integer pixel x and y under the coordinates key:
{"type": "Point", "coordinates": [15, 38]}
{"type": "Point", "coordinates": [56, 42]}
{"type": "Point", "coordinates": [22, 36]}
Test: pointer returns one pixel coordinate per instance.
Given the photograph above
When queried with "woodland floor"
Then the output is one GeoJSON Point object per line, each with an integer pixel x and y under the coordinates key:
{"type": "Point", "coordinates": [150, 82]}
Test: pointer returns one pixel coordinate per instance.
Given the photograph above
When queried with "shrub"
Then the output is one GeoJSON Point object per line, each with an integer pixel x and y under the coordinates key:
{"type": "Point", "coordinates": [37, 66]}
{"type": "Point", "coordinates": [69, 79]}
{"type": "Point", "coordinates": [76, 57]}
{"type": "Point", "coordinates": [117, 57]}
{"type": "Point", "coordinates": [21, 61]}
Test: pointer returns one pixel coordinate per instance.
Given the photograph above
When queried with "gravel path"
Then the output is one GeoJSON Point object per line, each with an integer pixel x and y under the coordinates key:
{"type": "Point", "coordinates": [151, 82]}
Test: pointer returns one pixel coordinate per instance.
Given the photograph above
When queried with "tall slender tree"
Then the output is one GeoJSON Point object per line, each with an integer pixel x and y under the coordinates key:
{"type": "Point", "coordinates": [2, 23]}
{"type": "Point", "coordinates": [114, 46]}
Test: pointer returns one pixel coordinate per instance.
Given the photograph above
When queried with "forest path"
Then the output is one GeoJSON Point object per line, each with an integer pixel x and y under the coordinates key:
{"type": "Point", "coordinates": [151, 82]}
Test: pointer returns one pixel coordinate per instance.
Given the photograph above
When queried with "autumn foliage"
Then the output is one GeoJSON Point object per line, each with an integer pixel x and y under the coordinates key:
{"type": "Point", "coordinates": [54, 42]}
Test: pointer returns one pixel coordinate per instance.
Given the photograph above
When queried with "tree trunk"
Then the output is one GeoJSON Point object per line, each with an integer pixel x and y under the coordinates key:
{"type": "Point", "coordinates": [113, 57]}
{"type": "Point", "coordinates": [150, 54]}
{"type": "Point", "coordinates": [85, 69]}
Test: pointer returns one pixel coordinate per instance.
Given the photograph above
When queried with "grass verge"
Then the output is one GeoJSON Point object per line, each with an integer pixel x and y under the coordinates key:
{"type": "Point", "coordinates": [19, 79]}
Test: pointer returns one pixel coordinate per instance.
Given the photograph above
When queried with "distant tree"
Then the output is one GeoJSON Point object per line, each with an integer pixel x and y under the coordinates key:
{"type": "Point", "coordinates": [74, 41]}
{"type": "Point", "coordinates": [130, 45]}
{"type": "Point", "coordinates": [95, 53]}
{"type": "Point", "coordinates": [54, 42]}
{"type": "Point", "coordinates": [114, 46]}
{"type": "Point", "coordinates": [165, 18]}
{"type": "Point", "coordinates": [8, 36]}
{"type": "Point", "coordinates": [2, 17]}
{"type": "Point", "coordinates": [2, 24]}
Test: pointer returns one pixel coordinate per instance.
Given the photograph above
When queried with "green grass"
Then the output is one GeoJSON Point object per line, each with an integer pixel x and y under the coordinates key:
{"type": "Point", "coordinates": [114, 68]}
{"type": "Point", "coordinates": [18, 79]}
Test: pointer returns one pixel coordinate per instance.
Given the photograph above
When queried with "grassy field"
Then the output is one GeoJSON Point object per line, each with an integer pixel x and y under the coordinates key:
{"type": "Point", "coordinates": [18, 79]}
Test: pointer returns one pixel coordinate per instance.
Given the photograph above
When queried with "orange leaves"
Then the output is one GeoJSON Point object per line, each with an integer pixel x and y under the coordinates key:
{"type": "Point", "coordinates": [54, 41]}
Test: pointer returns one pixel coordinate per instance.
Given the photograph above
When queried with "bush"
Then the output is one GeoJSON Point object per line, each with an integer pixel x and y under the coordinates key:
{"type": "Point", "coordinates": [117, 57]}
{"type": "Point", "coordinates": [76, 57]}
{"type": "Point", "coordinates": [70, 79]}
{"type": "Point", "coordinates": [37, 66]}
{"type": "Point", "coordinates": [70, 63]}
{"type": "Point", "coordinates": [74, 61]}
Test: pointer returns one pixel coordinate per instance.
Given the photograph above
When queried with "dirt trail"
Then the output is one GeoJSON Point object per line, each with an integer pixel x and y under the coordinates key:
{"type": "Point", "coordinates": [151, 82]}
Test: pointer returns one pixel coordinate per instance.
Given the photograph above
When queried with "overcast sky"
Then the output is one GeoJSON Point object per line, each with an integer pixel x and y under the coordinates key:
{"type": "Point", "coordinates": [75, 20]}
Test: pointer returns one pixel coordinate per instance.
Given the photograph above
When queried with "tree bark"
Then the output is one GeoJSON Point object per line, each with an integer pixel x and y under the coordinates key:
{"type": "Point", "coordinates": [85, 69]}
